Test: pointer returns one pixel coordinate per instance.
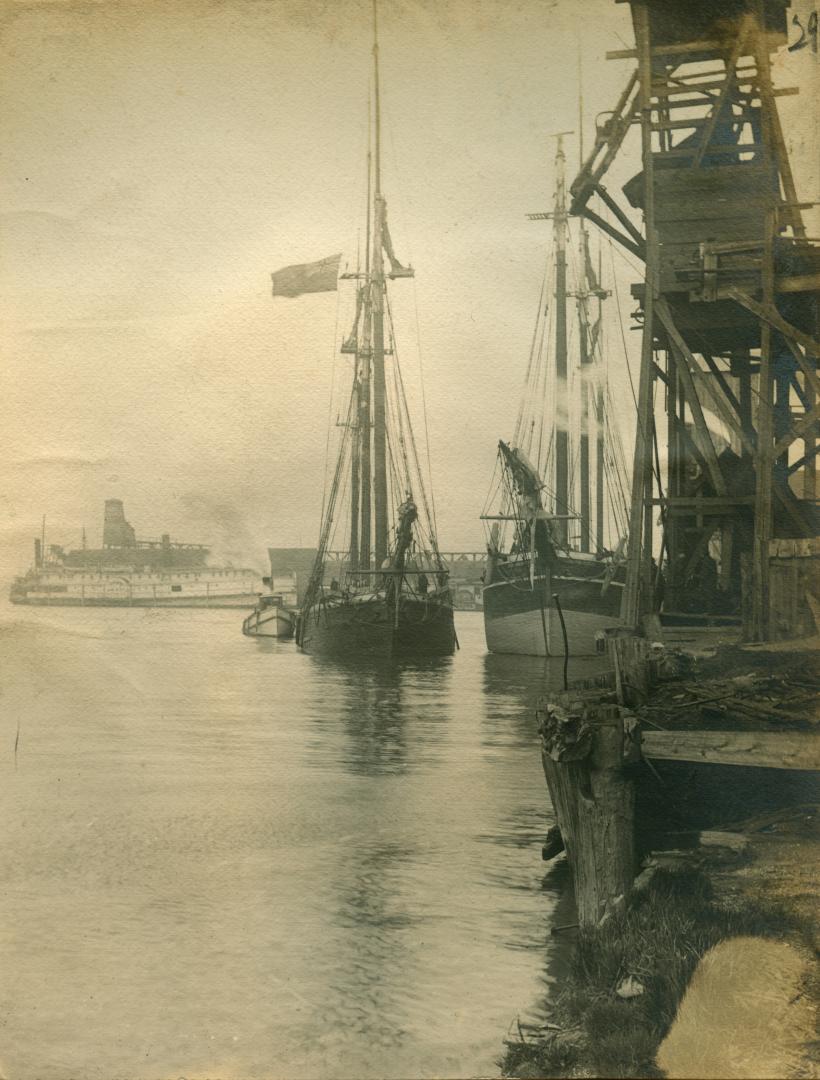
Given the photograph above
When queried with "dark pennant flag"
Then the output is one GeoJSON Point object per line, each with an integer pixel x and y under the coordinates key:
{"type": "Point", "coordinates": [307, 277]}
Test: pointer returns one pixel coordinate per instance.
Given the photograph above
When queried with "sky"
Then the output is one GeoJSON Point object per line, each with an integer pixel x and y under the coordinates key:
{"type": "Point", "coordinates": [160, 159]}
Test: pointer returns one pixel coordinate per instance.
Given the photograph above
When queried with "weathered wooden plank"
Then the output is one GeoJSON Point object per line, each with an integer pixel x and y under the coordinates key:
{"type": "Point", "coordinates": [667, 93]}
{"type": "Point", "coordinates": [746, 75]}
{"type": "Point", "coordinates": [753, 149]}
{"type": "Point", "coordinates": [798, 283]}
{"type": "Point", "coordinates": [761, 749]}
{"type": "Point", "coordinates": [689, 230]}
{"type": "Point", "coordinates": [719, 179]}
{"type": "Point", "coordinates": [674, 125]}
{"type": "Point", "coordinates": [696, 207]}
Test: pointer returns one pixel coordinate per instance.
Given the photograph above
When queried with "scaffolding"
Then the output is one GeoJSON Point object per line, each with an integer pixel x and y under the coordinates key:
{"type": "Point", "coordinates": [730, 305]}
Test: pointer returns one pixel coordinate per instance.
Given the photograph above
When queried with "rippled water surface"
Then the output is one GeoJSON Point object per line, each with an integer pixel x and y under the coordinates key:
{"type": "Point", "coordinates": [223, 858]}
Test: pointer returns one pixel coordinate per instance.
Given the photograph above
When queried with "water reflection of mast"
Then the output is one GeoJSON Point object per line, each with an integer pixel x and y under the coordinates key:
{"type": "Point", "coordinates": [372, 964]}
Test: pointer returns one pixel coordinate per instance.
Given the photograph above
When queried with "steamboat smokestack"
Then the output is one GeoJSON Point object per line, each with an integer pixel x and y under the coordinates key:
{"type": "Point", "coordinates": [116, 530]}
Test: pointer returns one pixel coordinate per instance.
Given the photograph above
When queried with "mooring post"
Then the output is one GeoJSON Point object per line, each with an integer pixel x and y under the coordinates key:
{"type": "Point", "coordinates": [582, 750]}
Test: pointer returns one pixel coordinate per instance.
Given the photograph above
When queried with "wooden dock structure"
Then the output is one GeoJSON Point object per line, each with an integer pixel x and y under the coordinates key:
{"type": "Point", "coordinates": [730, 313]}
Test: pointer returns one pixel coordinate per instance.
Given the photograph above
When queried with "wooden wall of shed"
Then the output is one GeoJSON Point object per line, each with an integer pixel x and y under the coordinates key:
{"type": "Point", "coordinates": [794, 589]}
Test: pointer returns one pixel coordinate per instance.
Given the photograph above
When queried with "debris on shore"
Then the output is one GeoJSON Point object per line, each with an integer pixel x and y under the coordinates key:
{"type": "Point", "coordinates": [727, 884]}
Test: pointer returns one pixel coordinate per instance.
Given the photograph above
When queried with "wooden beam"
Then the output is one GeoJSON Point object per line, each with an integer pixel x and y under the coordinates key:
{"type": "Point", "coordinates": [760, 749]}
{"type": "Point", "coordinates": [710, 73]}
{"type": "Point", "coordinates": [772, 316]}
{"type": "Point", "coordinates": [721, 378]}
{"type": "Point", "coordinates": [744, 77]}
{"type": "Point", "coordinates": [610, 230]}
{"type": "Point", "coordinates": [810, 447]}
{"type": "Point", "coordinates": [620, 215]}
{"type": "Point", "coordinates": [725, 90]}
{"type": "Point", "coordinates": [783, 157]}
{"type": "Point", "coordinates": [797, 283]}
{"type": "Point", "coordinates": [812, 382]}
{"type": "Point", "coordinates": [798, 429]}
{"type": "Point", "coordinates": [637, 594]}
{"type": "Point", "coordinates": [679, 125]}
{"type": "Point", "coordinates": [759, 627]}
{"type": "Point", "coordinates": [704, 504]}
{"type": "Point", "coordinates": [679, 353]}
{"type": "Point", "coordinates": [618, 126]}
{"type": "Point", "coordinates": [805, 460]}
{"type": "Point", "coordinates": [730, 418]}
{"type": "Point", "coordinates": [688, 442]}
{"type": "Point", "coordinates": [735, 149]}
{"type": "Point", "coordinates": [684, 48]}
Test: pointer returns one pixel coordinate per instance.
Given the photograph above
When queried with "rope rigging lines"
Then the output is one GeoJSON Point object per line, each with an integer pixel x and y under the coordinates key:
{"type": "Point", "coordinates": [596, 458]}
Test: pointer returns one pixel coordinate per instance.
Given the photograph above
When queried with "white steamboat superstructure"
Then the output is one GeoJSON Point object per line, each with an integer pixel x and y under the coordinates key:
{"type": "Point", "coordinates": [127, 572]}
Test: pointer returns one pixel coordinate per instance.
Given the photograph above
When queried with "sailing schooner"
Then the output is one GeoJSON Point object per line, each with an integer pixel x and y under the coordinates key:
{"type": "Point", "coordinates": [394, 597]}
{"type": "Point", "coordinates": [548, 569]}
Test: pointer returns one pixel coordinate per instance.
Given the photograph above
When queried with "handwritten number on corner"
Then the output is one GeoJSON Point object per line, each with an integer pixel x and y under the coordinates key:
{"type": "Point", "coordinates": [807, 35]}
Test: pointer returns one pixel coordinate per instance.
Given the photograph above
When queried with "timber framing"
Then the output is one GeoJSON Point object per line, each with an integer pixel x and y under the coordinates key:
{"type": "Point", "coordinates": [730, 307]}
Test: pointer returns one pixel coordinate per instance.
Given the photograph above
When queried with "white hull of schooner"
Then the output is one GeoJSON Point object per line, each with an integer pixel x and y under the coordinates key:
{"type": "Point", "coordinates": [521, 617]}
{"type": "Point", "coordinates": [530, 634]}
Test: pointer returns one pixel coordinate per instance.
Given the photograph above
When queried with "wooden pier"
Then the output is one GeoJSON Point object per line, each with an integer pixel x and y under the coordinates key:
{"type": "Point", "coordinates": [597, 743]}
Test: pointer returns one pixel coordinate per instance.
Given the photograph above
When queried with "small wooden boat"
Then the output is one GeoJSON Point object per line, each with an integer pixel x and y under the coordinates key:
{"type": "Point", "coordinates": [270, 618]}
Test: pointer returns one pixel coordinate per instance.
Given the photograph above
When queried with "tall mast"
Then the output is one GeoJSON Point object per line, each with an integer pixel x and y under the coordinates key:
{"type": "Point", "coordinates": [355, 492]}
{"type": "Point", "coordinates": [377, 301]}
{"type": "Point", "coordinates": [584, 340]}
{"type": "Point", "coordinates": [599, 430]}
{"type": "Point", "coordinates": [586, 360]}
{"type": "Point", "coordinates": [359, 487]}
{"type": "Point", "coordinates": [561, 396]}
{"type": "Point", "coordinates": [364, 360]}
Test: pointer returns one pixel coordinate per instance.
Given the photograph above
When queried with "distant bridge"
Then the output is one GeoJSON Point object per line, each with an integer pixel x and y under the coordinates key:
{"type": "Point", "coordinates": [448, 556]}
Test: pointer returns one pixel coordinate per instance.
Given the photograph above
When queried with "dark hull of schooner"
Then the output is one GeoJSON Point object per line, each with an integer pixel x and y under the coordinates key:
{"type": "Point", "coordinates": [367, 626]}
{"type": "Point", "coordinates": [520, 615]}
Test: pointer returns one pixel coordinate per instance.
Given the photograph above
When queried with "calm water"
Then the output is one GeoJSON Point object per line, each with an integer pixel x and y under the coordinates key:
{"type": "Point", "coordinates": [223, 858]}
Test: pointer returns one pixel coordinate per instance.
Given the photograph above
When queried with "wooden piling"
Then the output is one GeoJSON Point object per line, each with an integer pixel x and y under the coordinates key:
{"type": "Point", "coordinates": [631, 659]}
{"type": "Point", "coordinates": [582, 750]}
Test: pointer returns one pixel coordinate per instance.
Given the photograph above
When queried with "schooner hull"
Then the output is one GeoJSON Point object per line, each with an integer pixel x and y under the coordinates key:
{"type": "Point", "coordinates": [521, 617]}
{"type": "Point", "coordinates": [368, 628]}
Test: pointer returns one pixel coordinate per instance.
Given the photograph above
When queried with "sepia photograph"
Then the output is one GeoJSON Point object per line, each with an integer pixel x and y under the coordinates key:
{"type": "Point", "coordinates": [410, 539]}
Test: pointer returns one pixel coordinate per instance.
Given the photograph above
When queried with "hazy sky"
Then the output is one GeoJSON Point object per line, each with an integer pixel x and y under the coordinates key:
{"type": "Point", "coordinates": [161, 158]}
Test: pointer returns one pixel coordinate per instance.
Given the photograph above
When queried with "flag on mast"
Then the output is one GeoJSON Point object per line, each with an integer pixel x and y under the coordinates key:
{"type": "Point", "coordinates": [318, 276]}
